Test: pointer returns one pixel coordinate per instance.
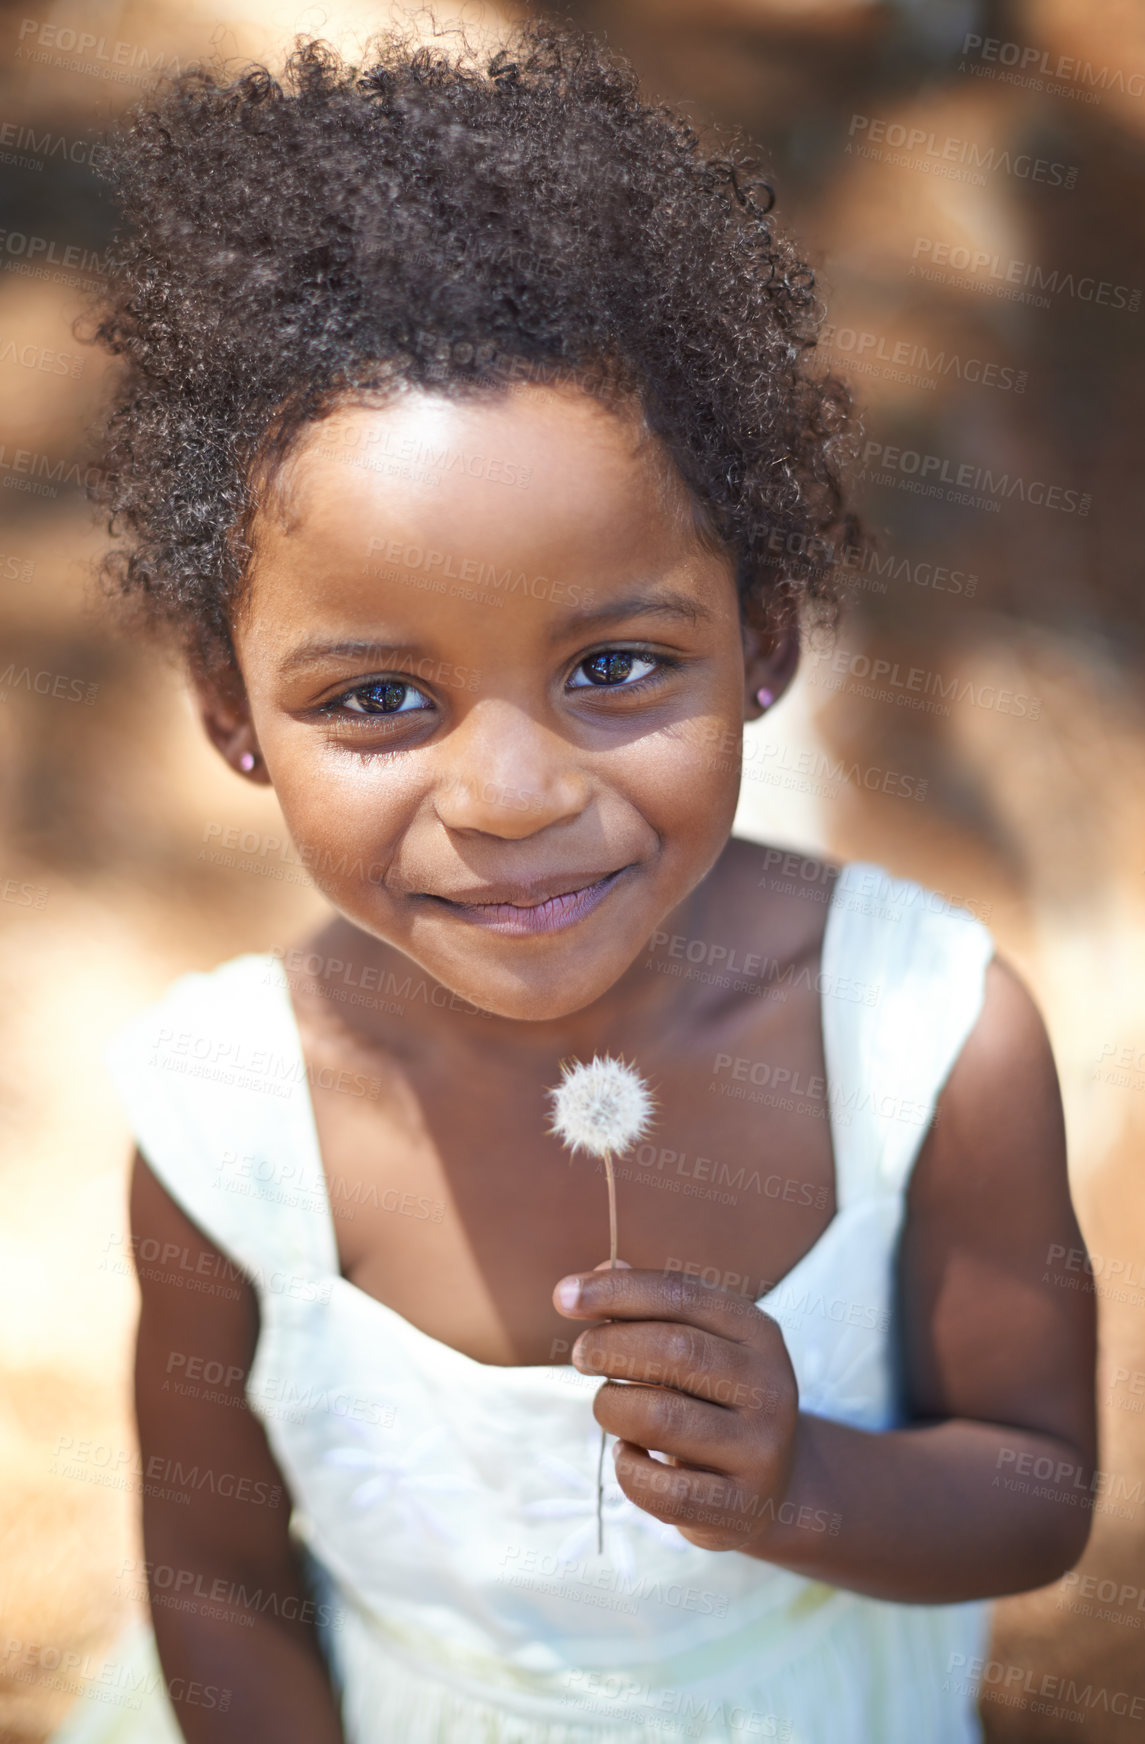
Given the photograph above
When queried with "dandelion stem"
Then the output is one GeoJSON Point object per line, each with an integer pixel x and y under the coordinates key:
{"type": "Point", "coordinates": [611, 1210]}
{"type": "Point", "coordinates": [608, 1170]}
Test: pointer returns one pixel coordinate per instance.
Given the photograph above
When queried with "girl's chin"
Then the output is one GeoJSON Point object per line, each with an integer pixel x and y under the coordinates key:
{"type": "Point", "coordinates": [537, 992]}
{"type": "Point", "coordinates": [542, 1004]}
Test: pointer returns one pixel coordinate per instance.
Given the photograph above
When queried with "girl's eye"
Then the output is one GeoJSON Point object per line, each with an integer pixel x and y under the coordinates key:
{"type": "Point", "coordinates": [385, 696]}
{"type": "Point", "coordinates": [615, 668]}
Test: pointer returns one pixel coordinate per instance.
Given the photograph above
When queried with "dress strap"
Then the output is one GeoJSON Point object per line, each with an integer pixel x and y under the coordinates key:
{"type": "Point", "coordinates": [902, 987]}
{"type": "Point", "coordinates": [214, 1082]}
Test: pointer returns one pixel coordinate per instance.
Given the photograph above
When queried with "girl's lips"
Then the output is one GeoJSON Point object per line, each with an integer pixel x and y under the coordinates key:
{"type": "Point", "coordinates": [544, 917]}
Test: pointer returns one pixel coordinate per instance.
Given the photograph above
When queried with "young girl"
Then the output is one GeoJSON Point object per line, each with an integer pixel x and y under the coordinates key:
{"type": "Point", "coordinates": [467, 440]}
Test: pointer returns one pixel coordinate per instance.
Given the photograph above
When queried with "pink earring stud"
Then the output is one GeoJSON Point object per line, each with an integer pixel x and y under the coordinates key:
{"type": "Point", "coordinates": [247, 762]}
{"type": "Point", "coordinates": [764, 697]}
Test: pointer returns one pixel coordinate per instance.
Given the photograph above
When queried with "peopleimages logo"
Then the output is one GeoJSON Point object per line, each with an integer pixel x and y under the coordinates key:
{"type": "Point", "coordinates": [97, 54]}
{"type": "Point", "coordinates": [982, 486]}
{"type": "Point", "coordinates": [915, 363]}
{"type": "Point", "coordinates": [876, 132]}
{"type": "Point", "coordinates": [1027, 64]}
{"type": "Point", "coordinates": [1024, 274]}
{"type": "Point", "coordinates": [912, 686]}
{"type": "Point", "coordinates": [26, 469]}
{"type": "Point", "coordinates": [24, 148]}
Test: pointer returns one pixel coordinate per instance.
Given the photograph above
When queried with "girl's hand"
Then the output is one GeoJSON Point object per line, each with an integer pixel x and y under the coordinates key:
{"type": "Point", "coordinates": [709, 1382]}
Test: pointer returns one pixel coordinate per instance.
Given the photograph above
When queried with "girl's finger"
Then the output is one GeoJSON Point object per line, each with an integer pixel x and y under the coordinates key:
{"type": "Point", "coordinates": [673, 1423]}
{"type": "Point", "coordinates": [629, 1294]}
{"type": "Point", "coordinates": [680, 1357]}
{"type": "Point", "coordinates": [705, 1505]}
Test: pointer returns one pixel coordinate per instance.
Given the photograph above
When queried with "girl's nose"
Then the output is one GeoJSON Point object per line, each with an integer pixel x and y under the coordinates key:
{"type": "Point", "coordinates": [505, 775]}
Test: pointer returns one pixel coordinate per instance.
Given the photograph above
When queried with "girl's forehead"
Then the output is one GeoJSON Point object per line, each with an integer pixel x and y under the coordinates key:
{"type": "Point", "coordinates": [502, 439]}
{"type": "Point", "coordinates": [432, 516]}
{"type": "Point", "coordinates": [430, 413]}
{"type": "Point", "coordinates": [534, 470]}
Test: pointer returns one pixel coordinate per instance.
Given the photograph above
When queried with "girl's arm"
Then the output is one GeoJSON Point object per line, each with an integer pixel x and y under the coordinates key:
{"type": "Point", "coordinates": [993, 1490]}
{"type": "Point", "coordinates": [231, 1611]}
{"type": "Point", "coordinates": [991, 1487]}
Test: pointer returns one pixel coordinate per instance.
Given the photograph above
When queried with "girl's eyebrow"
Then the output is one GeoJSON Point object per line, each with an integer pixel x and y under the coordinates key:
{"type": "Point", "coordinates": [315, 653]}
{"type": "Point", "coordinates": [667, 603]}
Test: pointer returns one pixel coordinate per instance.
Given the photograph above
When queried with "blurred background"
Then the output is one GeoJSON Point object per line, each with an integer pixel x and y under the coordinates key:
{"type": "Point", "coordinates": [967, 177]}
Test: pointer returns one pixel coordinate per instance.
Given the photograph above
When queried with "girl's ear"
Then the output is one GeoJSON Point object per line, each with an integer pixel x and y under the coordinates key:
{"type": "Point", "coordinates": [771, 659]}
{"type": "Point", "coordinates": [225, 714]}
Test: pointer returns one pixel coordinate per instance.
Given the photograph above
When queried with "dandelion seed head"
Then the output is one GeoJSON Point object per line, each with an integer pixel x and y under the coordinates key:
{"type": "Point", "coordinates": [603, 1107]}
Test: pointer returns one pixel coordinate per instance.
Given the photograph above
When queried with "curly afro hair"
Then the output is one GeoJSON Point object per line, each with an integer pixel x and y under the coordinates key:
{"type": "Point", "coordinates": [450, 219]}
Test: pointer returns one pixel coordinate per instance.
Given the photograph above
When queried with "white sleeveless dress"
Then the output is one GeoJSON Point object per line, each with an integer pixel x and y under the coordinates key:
{"type": "Point", "coordinates": [447, 1506]}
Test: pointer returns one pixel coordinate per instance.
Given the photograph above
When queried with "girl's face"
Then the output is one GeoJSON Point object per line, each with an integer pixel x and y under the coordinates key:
{"type": "Point", "coordinates": [501, 700]}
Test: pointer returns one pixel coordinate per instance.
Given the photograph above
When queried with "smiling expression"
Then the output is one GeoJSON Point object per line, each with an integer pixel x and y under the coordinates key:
{"type": "Point", "coordinates": [488, 696]}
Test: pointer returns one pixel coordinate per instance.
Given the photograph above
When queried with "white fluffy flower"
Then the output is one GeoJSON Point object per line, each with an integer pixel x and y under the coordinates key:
{"type": "Point", "coordinates": [602, 1108]}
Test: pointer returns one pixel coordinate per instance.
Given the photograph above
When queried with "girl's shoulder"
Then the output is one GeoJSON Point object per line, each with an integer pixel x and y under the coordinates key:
{"type": "Point", "coordinates": [911, 927]}
{"type": "Point", "coordinates": [904, 987]}
{"type": "Point", "coordinates": [245, 971]}
{"type": "Point", "coordinates": [219, 1027]}
{"type": "Point", "coordinates": [899, 975]}
{"type": "Point", "coordinates": [857, 905]}
{"type": "Point", "coordinates": [213, 1082]}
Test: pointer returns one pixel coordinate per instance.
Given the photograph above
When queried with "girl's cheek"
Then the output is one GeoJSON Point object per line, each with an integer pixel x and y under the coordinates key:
{"type": "Point", "coordinates": [701, 758]}
{"type": "Point", "coordinates": [336, 811]}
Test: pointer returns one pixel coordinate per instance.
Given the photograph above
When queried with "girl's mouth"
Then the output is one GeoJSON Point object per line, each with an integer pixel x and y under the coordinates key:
{"type": "Point", "coordinates": [550, 916]}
